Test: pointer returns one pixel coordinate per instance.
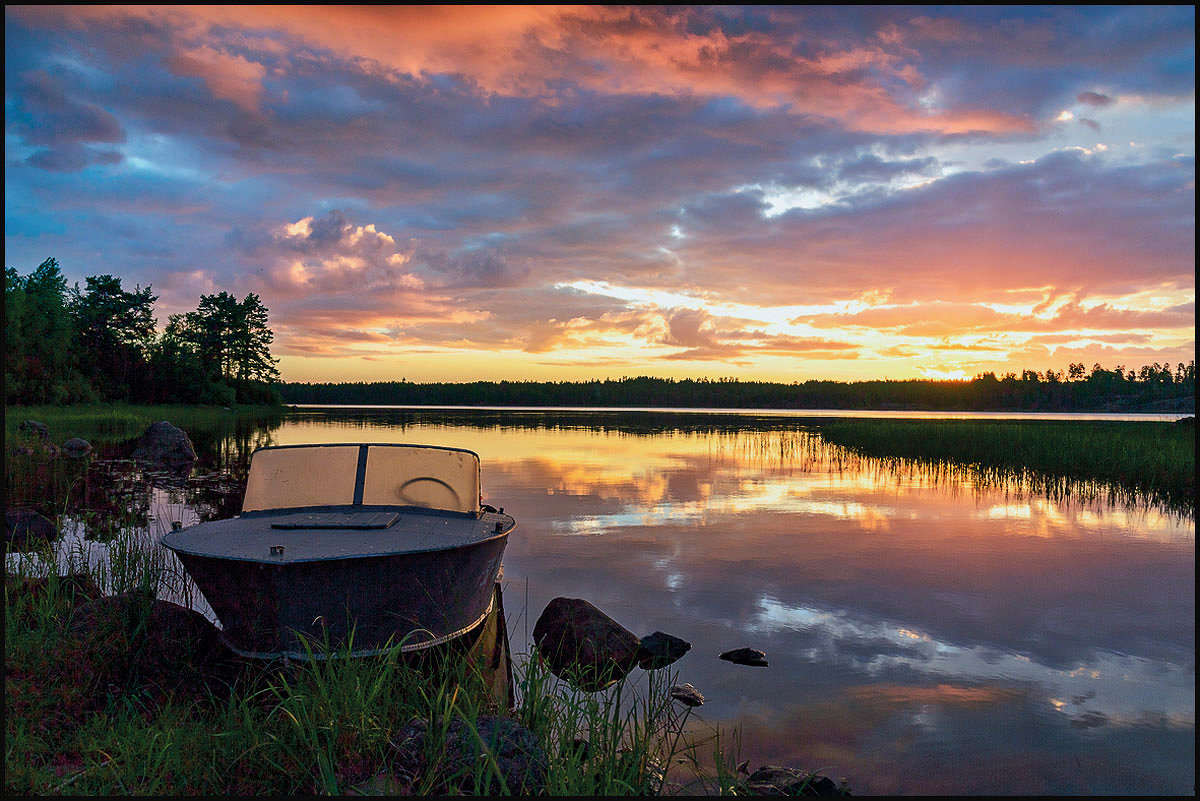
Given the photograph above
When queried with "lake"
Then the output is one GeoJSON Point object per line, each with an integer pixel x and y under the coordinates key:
{"type": "Point", "coordinates": [925, 635]}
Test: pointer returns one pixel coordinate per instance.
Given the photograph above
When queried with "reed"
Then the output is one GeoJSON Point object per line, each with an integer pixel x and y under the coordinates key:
{"type": "Point", "coordinates": [1139, 463]}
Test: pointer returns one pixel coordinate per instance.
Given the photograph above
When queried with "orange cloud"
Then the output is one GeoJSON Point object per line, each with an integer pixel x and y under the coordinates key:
{"type": "Point", "coordinates": [526, 51]}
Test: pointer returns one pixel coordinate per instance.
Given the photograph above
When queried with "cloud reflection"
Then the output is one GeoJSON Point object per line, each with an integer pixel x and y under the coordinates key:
{"type": "Point", "coordinates": [925, 634]}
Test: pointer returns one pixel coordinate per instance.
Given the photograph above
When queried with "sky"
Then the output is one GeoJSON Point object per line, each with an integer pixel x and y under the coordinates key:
{"type": "Point", "coordinates": [569, 193]}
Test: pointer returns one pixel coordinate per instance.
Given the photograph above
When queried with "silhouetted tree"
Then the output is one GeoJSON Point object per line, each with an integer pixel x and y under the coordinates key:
{"type": "Point", "coordinates": [113, 330]}
{"type": "Point", "coordinates": [64, 346]}
{"type": "Point", "coordinates": [39, 363]}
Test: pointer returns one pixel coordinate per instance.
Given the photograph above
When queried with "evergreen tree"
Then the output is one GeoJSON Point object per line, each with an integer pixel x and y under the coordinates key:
{"type": "Point", "coordinates": [114, 329]}
{"type": "Point", "coordinates": [39, 364]}
{"type": "Point", "coordinates": [99, 342]}
{"type": "Point", "coordinates": [232, 339]}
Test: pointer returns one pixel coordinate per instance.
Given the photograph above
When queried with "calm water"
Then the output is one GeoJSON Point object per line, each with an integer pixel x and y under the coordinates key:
{"type": "Point", "coordinates": [924, 635]}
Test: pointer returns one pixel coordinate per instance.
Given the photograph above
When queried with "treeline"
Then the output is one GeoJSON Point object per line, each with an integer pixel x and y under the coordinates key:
{"type": "Point", "coordinates": [1152, 388]}
{"type": "Point", "coordinates": [99, 343]}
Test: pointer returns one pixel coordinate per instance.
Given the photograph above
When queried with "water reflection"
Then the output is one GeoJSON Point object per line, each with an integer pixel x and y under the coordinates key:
{"type": "Point", "coordinates": [927, 633]}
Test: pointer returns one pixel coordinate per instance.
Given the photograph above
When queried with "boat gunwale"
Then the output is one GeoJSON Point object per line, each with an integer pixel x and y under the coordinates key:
{"type": "Point", "coordinates": [369, 445]}
{"type": "Point", "coordinates": [260, 514]}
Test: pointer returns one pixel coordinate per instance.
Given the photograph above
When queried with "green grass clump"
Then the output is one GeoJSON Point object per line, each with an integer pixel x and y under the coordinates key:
{"type": "Point", "coordinates": [1131, 462]}
{"type": "Point", "coordinates": [84, 716]}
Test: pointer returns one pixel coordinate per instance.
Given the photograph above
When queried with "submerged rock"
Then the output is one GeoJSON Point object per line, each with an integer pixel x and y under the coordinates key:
{"type": "Point", "coordinates": [583, 645]}
{"type": "Point", "coordinates": [776, 780]}
{"type": "Point", "coordinates": [459, 769]}
{"type": "Point", "coordinates": [165, 447]}
{"type": "Point", "coordinates": [746, 656]}
{"type": "Point", "coordinates": [660, 649]}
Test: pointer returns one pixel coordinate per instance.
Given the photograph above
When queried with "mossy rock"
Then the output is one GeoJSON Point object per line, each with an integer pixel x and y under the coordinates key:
{"type": "Point", "coordinates": [136, 645]}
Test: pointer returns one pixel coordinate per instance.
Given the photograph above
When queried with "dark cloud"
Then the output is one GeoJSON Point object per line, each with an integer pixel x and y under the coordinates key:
{"type": "Point", "coordinates": [46, 113]}
{"type": "Point", "coordinates": [71, 158]}
{"type": "Point", "coordinates": [1094, 99]}
{"type": "Point", "coordinates": [475, 269]}
{"type": "Point", "coordinates": [870, 167]}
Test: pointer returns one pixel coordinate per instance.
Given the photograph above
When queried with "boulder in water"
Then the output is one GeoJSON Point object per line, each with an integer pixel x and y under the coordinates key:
{"type": "Point", "coordinates": [661, 649]}
{"type": "Point", "coordinates": [165, 447]}
{"type": "Point", "coordinates": [76, 448]}
{"type": "Point", "coordinates": [583, 645]}
{"type": "Point", "coordinates": [746, 656]}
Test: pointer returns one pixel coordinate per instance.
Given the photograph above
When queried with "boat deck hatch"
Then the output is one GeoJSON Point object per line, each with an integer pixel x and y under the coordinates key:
{"type": "Point", "coordinates": [339, 520]}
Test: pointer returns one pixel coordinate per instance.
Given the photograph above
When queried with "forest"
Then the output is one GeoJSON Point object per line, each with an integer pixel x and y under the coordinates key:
{"type": "Point", "coordinates": [1152, 388]}
{"type": "Point", "coordinates": [100, 343]}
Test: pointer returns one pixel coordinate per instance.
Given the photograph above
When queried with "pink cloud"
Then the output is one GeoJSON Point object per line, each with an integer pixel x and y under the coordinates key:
{"type": "Point", "coordinates": [228, 76]}
{"type": "Point", "coordinates": [1065, 221]}
{"type": "Point", "coordinates": [527, 51]}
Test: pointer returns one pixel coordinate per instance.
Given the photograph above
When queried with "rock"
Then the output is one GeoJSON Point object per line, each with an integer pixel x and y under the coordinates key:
{"type": "Point", "coordinates": [459, 769]}
{"type": "Point", "coordinates": [133, 643]}
{"type": "Point", "coordinates": [24, 527]}
{"type": "Point", "coordinates": [775, 780]}
{"type": "Point", "coordinates": [76, 448]}
{"type": "Point", "coordinates": [687, 694]}
{"type": "Point", "coordinates": [659, 650]}
{"type": "Point", "coordinates": [165, 447]}
{"type": "Point", "coordinates": [583, 645]}
{"type": "Point", "coordinates": [746, 656]}
{"type": "Point", "coordinates": [35, 429]}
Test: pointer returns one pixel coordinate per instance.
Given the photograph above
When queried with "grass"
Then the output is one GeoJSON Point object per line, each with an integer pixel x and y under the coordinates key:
{"type": "Point", "coordinates": [1140, 463]}
{"type": "Point", "coordinates": [119, 422]}
{"type": "Point", "coordinates": [75, 724]}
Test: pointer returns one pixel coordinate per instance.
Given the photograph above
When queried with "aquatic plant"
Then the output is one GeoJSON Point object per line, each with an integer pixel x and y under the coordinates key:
{"type": "Point", "coordinates": [1137, 463]}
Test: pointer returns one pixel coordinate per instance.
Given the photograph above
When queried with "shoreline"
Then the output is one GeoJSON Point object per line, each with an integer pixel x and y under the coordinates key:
{"type": "Point", "coordinates": [881, 414]}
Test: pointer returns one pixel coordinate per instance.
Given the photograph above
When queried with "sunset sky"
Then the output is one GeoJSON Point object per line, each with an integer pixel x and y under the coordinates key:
{"type": "Point", "coordinates": [776, 193]}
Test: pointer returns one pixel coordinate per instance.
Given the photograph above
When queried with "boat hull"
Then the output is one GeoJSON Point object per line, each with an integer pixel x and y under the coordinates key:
{"type": "Point", "coordinates": [363, 604]}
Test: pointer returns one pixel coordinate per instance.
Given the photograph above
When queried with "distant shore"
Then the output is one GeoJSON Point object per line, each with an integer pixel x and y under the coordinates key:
{"type": "Point", "coordinates": [880, 414]}
{"type": "Point", "coordinates": [1116, 391]}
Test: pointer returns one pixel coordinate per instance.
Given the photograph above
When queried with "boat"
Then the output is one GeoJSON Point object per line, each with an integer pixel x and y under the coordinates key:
{"type": "Point", "coordinates": [360, 548]}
